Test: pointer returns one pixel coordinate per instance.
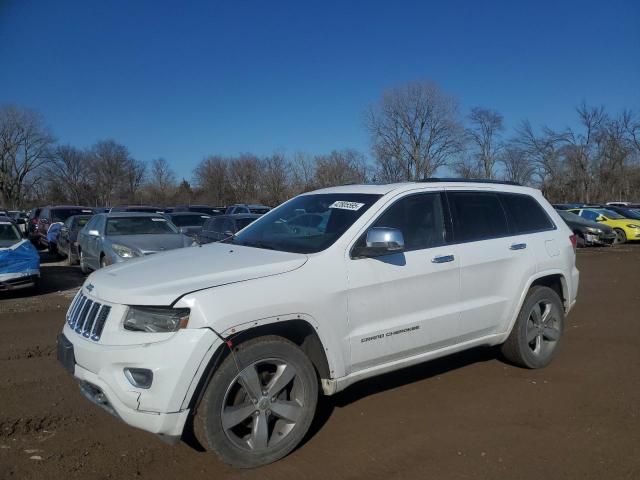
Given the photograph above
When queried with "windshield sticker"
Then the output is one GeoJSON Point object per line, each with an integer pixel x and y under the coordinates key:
{"type": "Point", "coordinates": [344, 205]}
{"type": "Point", "coordinates": [158, 220]}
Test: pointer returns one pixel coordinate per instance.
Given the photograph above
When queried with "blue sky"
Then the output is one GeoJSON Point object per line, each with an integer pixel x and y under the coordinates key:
{"type": "Point", "coordinates": [186, 79]}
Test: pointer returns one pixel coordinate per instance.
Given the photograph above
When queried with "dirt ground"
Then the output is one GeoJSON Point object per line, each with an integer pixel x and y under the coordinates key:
{"type": "Point", "coordinates": [464, 417]}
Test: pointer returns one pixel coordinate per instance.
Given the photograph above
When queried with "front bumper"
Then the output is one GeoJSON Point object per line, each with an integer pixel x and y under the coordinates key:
{"type": "Point", "coordinates": [162, 408]}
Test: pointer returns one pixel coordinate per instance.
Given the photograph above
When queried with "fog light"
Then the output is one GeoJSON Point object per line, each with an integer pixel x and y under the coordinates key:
{"type": "Point", "coordinates": [139, 377]}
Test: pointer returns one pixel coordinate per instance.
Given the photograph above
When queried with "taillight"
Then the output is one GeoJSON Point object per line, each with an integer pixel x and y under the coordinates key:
{"type": "Point", "coordinates": [34, 220]}
{"type": "Point", "coordinates": [574, 241]}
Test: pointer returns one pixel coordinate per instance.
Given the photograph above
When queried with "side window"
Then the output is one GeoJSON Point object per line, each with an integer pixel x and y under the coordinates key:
{"type": "Point", "coordinates": [44, 215]}
{"type": "Point", "coordinates": [477, 216]}
{"type": "Point", "coordinates": [216, 225]}
{"type": "Point", "coordinates": [525, 214]}
{"type": "Point", "coordinates": [101, 223]}
{"type": "Point", "coordinates": [68, 222]}
{"type": "Point", "coordinates": [589, 215]}
{"type": "Point", "coordinates": [420, 219]}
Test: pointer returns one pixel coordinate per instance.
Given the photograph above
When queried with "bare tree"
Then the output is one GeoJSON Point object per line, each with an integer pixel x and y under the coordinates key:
{"type": "Point", "coordinates": [303, 172]}
{"type": "Point", "coordinates": [69, 171]}
{"type": "Point", "coordinates": [340, 168]}
{"type": "Point", "coordinates": [114, 172]}
{"type": "Point", "coordinates": [161, 186]}
{"type": "Point", "coordinates": [484, 132]}
{"type": "Point", "coordinates": [211, 177]}
{"type": "Point", "coordinates": [517, 166]}
{"type": "Point", "coordinates": [414, 131]}
{"type": "Point", "coordinates": [275, 185]}
{"type": "Point", "coordinates": [25, 146]}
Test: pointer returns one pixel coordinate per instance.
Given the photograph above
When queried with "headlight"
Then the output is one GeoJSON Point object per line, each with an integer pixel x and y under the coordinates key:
{"type": "Point", "coordinates": [156, 319]}
{"type": "Point", "coordinates": [594, 230]}
{"type": "Point", "coordinates": [123, 251]}
{"type": "Point", "coordinates": [633, 225]}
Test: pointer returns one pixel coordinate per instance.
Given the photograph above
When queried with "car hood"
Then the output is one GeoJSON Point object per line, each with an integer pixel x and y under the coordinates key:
{"type": "Point", "coordinates": [163, 278]}
{"type": "Point", "coordinates": [151, 243]}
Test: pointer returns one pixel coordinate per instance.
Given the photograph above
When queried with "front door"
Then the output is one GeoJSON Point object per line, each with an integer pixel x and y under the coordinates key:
{"type": "Point", "coordinates": [404, 303]}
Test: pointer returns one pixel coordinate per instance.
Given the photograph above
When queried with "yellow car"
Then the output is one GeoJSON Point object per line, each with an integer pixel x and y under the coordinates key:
{"type": "Point", "coordinates": [624, 228]}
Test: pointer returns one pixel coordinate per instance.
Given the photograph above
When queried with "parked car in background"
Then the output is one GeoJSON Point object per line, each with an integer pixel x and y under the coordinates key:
{"type": "Point", "coordinates": [245, 208]}
{"type": "Point", "coordinates": [136, 208]}
{"type": "Point", "coordinates": [624, 204]}
{"type": "Point", "coordinates": [20, 219]}
{"type": "Point", "coordinates": [110, 238]}
{"type": "Point", "coordinates": [199, 209]}
{"type": "Point", "coordinates": [624, 228]}
{"type": "Point", "coordinates": [224, 226]}
{"type": "Point", "coordinates": [50, 215]}
{"type": "Point", "coordinates": [567, 206]}
{"type": "Point", "coordinates": [19, 260]}
{"type": "Point", "coordinates": [68, 237]}
{"type": "Point", "coordinates": [626, 212]}
{"type": "Point", "coordinates": [189, 223]}
{"type": "Point", "coordinates": [588, 232]}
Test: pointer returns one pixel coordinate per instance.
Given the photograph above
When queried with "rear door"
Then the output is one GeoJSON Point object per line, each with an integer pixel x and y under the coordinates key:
{"type": "Point", "coordinates": [493, 261]}
{"type": "Point", "coordinates": [406, 303]}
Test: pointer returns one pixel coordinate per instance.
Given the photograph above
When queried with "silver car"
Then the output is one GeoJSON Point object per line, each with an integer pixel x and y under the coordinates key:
{"type": "Point", "coordinates": [111, 238]}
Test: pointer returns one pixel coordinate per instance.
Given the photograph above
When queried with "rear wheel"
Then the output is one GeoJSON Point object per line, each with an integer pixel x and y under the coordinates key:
{"type": "Point", "coordinates": [259, 404]}
{"type": "Point", "coordinates": [621, 237]}
{"type": "Point", "coordinates": [103, 261]}
{"type": "Point", "coordinates": [535, 337]}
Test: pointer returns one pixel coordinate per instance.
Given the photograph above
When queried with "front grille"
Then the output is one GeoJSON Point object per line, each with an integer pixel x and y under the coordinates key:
{"type": "Point", "coordinates": [86, 317]}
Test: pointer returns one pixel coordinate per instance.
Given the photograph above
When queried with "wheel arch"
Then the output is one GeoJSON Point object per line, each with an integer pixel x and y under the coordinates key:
{"type": "Point", "coordinates": [297, 330]}
{"type": "Point", "coordinates": [554, 279]}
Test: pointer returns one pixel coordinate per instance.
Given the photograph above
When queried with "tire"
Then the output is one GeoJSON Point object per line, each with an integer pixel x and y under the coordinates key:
{"type": "Point", "coordinates": [53, 248]}
{"type": "Point", "coordinates": [71, 258]}
{"type": "Point", "coordinates": [103, 261]}
{"type": "Point", "coordinates": [536, 335]}
{"type": "Point", "coordinates": [83, 266]}
{"type": "Point", "coordinates": [286, 411]}
{"type": "Point", "coordinates": [621, 237]}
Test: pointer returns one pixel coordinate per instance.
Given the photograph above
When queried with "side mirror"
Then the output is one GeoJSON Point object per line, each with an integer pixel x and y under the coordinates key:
{"type": "Point", "coordinates": [94, 233]}
{"type": "Point", "coordinates": [228, 233]}
{"type": "Point", "coordinates": [600, 218]}
{"type": "Point", "coordinates": [383, 240]}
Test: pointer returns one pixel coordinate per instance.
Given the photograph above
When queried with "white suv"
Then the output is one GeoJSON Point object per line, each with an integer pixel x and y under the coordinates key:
{"type": "Point", "coordinates": [332, 287]}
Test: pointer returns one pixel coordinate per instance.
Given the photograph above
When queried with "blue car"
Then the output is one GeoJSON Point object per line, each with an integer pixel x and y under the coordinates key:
{"type": "Point", "coordinates": [19, 260]}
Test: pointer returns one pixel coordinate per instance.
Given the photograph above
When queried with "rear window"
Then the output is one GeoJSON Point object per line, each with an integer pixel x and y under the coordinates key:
{"type": "Point", "coordinates": [525, 214]}
{"type": "Point", "coordinates": [139, 226]}
{"type": "Point", "coordinates": [477, 216]}
{"type": "Point", "coordinates": [9, 234]}
{"type": "Point", "coordinates": [189, 220]}
{"type": "Point", "coordinates": [243, 222]}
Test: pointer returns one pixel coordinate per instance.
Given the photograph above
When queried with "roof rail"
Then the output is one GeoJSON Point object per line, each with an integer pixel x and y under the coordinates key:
{"type": "Point", "coordinates": [468, 180]}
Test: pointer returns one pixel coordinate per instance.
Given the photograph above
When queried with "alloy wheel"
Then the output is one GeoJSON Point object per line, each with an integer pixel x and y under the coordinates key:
{"type": "Point", "coordinates": [543, 328]}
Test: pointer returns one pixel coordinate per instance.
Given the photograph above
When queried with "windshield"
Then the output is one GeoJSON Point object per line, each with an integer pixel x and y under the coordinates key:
{"type": "Point", "coordinates": [82, 221]}
{"type": "Point", "coordinates": [572, 217]}
{"type": "Point", "coordinates": [9, 234]}
{"type": "Point", "coordinates": [610, 214]}
{"type": "Point", "coordinates": [337, 212]}
{"type": "Point", "coordinates": [139, 226]}
{"type": "Point", "coordinates": [189, 220]}
{"type": "Point", "coordinates": [60, 215]}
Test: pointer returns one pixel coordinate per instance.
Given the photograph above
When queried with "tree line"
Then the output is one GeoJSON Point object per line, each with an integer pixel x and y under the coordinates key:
{"type": "Point", "coordinates": [416, 130]}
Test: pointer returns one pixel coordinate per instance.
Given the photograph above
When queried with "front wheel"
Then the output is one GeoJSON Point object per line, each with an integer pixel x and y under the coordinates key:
{"type": "Point", "coordinates": [535, 337]}
{"type": "Point", "coordinates": [259, 404]}
{"type": "Point", "coordinates": [621, 237]}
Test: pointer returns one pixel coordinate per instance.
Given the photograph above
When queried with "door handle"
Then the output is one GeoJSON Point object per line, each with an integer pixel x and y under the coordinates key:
{"type": "Point", "coordinates": [518, 246]}
{"type": "Point", "coordinates": [443, 259]}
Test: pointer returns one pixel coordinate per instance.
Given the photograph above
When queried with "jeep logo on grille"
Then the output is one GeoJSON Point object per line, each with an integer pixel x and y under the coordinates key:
{"type": "Point", "coordinates": [89, 287]}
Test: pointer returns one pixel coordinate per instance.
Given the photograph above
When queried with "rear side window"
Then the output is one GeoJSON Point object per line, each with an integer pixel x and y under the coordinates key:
{"type": "Point", "coordinates": [477, 216]}
{"type": "Point", "coordinates": [525, 214]}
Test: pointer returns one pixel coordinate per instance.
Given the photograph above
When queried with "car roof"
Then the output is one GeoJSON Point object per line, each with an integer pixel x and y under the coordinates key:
{"type": "Point", "coordinates": [190, 214]}
{"type": "Point", "coordinates": [131, 214]}
{"type": "Point", "coordinates": [383, 189]}
{"type": "Point", "coordinates": [239, 216]}
{"type": "Point", "coordinates": [61, 207]}
{"type": "Point", "coordinates": [4, 218]}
